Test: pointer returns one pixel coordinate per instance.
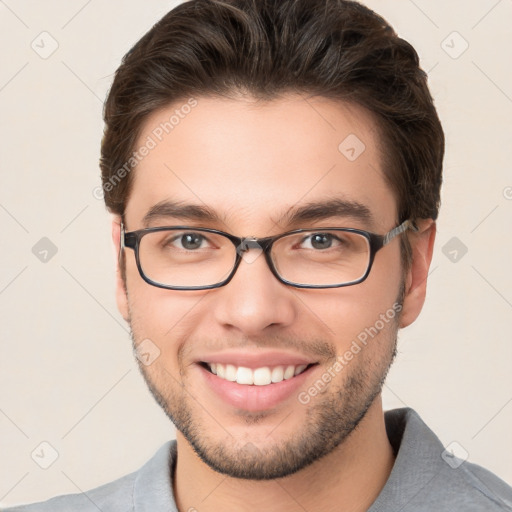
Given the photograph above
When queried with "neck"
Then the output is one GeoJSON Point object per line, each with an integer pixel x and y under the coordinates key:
{"type": "Point", "coordinates": [349, 479]}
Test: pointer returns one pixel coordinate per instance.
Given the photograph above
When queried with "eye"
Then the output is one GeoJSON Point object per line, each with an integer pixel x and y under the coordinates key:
{"type": "Point", "coordinates": [189, 241]}
{"type": "Point", "coordinates": [320, 241]}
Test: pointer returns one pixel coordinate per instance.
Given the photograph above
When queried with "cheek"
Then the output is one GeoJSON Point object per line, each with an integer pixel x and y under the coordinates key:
{"type": "Point", "coordinates": [347, 313]}
{"type": "Point", "coordinates": [155, 312]}
{"type": "Point", "coordinates": [165, 317]}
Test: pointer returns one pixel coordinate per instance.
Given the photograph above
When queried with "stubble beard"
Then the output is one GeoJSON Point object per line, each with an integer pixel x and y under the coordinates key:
{"type": "Point", "coordinates": [330, 418]}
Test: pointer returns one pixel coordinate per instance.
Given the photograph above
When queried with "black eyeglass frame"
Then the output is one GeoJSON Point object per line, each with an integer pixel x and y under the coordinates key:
{"type": "Point", "coordinates": [376, 242]}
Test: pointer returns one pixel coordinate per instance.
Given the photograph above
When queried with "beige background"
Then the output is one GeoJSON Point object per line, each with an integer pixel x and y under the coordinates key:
{"type": "Point", "coordinates": [67, 375]}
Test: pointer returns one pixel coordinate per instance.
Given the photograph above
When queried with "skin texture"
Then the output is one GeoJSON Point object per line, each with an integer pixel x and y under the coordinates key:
{"type": "Point", "coordinates": [251, 163]}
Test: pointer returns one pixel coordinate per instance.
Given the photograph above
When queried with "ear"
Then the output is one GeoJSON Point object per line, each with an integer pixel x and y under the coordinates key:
{"type": "Point", "coordinates": [121, 294]}
{"type": "Point", "coordinates": [422, 245]}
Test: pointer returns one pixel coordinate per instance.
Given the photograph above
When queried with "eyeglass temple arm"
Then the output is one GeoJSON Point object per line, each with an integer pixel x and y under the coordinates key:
{"type": "Point", "coordinates": [121, 241]}
{"type": "Point", "coordinates": [407, 224]}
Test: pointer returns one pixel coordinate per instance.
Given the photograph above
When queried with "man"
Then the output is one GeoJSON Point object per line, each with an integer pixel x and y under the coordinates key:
{"type": "Point", "coordinates": [274, 171]}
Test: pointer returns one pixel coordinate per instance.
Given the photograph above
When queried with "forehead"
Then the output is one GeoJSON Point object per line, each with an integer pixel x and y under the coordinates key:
{"type": "Point", "coordinates": [251, 162]}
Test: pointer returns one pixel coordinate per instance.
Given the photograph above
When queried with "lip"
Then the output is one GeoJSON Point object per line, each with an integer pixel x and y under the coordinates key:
{"type": "Point", "coordinates": [256, 360]}
{"type": "Point", "coordinates": [251, 397]}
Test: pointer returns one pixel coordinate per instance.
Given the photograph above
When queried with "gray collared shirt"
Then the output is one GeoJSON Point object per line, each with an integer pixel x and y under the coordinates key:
{"type": "Point", "coordinates": [425, 478]}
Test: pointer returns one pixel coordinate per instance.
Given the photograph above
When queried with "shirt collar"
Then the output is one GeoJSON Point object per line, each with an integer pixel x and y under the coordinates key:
{"type": "Point", "coordinates": [153, 488]}
{"type": "Point", "coordinates": [418, 459]}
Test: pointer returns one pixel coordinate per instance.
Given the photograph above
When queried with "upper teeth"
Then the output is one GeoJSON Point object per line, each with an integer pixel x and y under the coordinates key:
{"type": "Point", "coordinates": [258, 376]}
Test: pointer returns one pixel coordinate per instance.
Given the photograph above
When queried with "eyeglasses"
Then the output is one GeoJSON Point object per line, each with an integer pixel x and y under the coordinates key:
{"type": "Point", "coordinates": [190, 258]}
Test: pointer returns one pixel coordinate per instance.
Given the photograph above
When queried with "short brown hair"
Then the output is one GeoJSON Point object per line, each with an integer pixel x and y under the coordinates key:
{"type": "Point", "coordinates": [337, 49]}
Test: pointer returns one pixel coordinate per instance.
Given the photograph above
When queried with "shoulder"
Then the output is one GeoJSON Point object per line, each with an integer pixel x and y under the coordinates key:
{"type": "Point", "coordinates": [466, 487]}
{"type": "Point", "coordinates": [472, 485]}
{"type": "Point", "coordinates": [150, 485]}
{"type": "Point", "coordinates": [427, 476]}
{"type": "Point", "coordinates": [116, 495]}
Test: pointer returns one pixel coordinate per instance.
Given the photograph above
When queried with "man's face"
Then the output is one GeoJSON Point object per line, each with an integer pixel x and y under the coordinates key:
{"type": "Point", "coordinates": [253, 166]}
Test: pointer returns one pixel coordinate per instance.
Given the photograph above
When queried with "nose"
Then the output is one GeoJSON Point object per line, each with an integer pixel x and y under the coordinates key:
{"type": "Point", "coordinates": [254, 301]}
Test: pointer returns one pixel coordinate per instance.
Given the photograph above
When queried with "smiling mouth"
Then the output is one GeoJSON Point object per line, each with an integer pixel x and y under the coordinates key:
{"type": "Point", "coordinates": [262, 376]}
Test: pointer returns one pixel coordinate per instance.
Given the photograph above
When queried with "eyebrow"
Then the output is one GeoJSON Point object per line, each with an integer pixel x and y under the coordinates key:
{"type": "Point", "coordinates": [313, 211]}
{"type": "Point", "coordinates": [179, 210]}
{"type": "Point", "coordinates": [328, 209]}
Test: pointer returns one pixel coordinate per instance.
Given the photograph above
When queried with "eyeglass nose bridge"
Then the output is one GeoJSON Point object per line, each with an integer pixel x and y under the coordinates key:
{"type": "Point", "coordinates": [250, 248]}
{"type": "Point", "coordinates": [246, 244]}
